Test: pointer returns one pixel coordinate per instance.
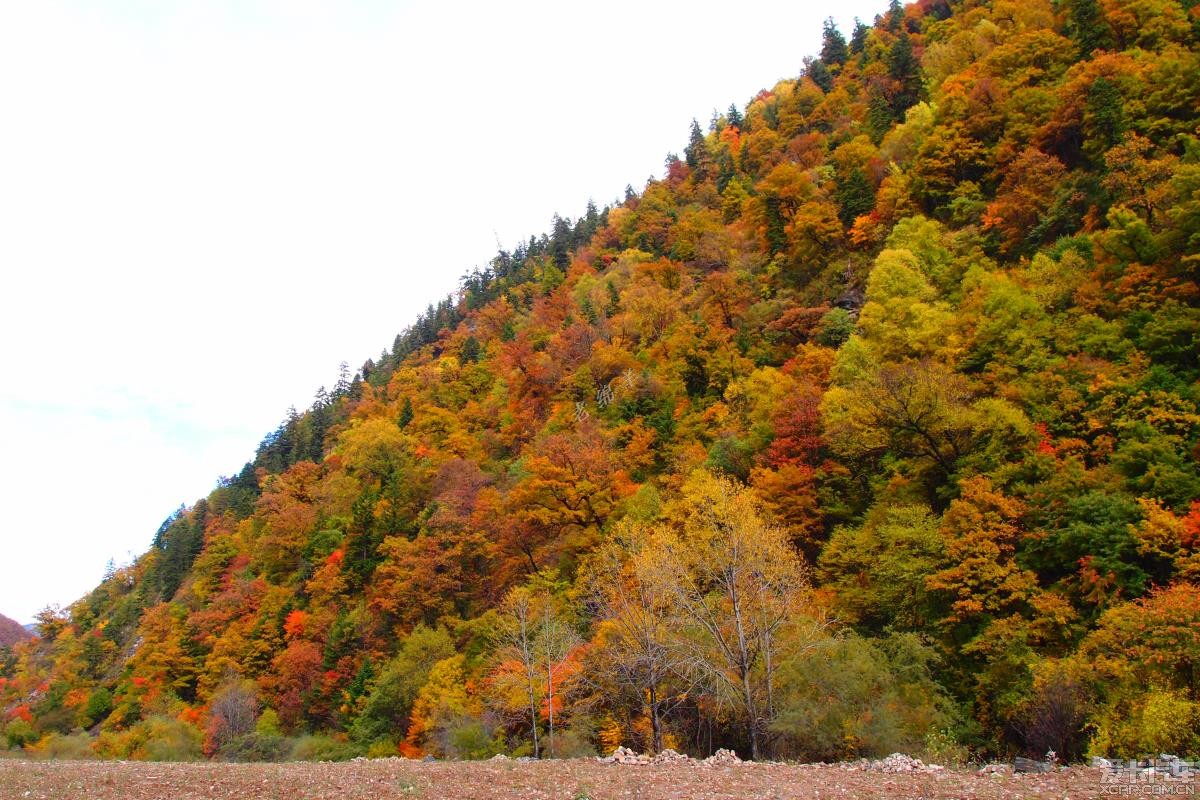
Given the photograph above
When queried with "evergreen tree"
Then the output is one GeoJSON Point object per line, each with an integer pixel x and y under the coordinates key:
{"type": "Point", "coordinates": [879, 115]}
{"type": "Point", "coordinates": [696, 147]}
{"type": "Point", "coordinates": [406, 413]}
{"type": "Point", "coordinates": [1104, 120]}
{"type": "Point", "coordinates": [833, 45]}
{"type": "Point", "coordinates": [734, 117]}
{"type": "Point", "coordinates": [1087, 27]}
{"type": "Point", "coordinates": [858, 39]}
{"type": "Point", "coordinates": [906, 71]}
{"type": "Point", "coordinates": [819, 74]}
{"type": "Point", "coordinates": [776, 227]}
{"type": "Point", "coordinates": [895, 15]}
{"type": "Point", "coordinates": [469, 352]}
{"type": "Point", "coordinates": [855, 195]}
{"type": "Point", "coordinates": [560, 242]}
{"type": "Point", "coordinates": [343, 382]}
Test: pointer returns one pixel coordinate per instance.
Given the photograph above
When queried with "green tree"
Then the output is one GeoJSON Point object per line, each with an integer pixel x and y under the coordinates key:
{"type": "Point", "coordinates": [833, 45]}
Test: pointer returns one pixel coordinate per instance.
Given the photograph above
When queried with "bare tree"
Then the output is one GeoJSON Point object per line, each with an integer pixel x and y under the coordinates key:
{"type": "Point", "coordinates": [534, 634]}
{"type": "Point", "coordinates": [556, 641]}
{"type": "Point", "coordinates": [514, 640]}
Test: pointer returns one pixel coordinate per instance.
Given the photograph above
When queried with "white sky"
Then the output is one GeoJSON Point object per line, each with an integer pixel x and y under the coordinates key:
{"type": "Point", "coordinates": [204, 207]}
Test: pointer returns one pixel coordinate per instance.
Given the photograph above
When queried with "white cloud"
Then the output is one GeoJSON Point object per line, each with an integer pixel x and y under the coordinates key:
{"type": "Point", "coordinates": [204, 207]}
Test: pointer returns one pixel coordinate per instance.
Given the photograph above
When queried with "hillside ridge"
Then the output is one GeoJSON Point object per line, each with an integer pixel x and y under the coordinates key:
{"type": "Point", "coordinates": [886, 391]}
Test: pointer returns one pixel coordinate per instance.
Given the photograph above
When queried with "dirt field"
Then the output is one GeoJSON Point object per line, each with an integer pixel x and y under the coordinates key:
{"type": "Point", "coordinates": [569, 780]}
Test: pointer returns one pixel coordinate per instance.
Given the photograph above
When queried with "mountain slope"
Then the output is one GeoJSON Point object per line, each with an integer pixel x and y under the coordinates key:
{"type": "Point", "coordinates": [11, 632]}
{"type": "Point", "coordinates": [917, 330]}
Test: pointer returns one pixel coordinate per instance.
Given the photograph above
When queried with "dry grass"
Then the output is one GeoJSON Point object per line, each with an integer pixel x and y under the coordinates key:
{"type": "Point", "coordinates": [570, 780]}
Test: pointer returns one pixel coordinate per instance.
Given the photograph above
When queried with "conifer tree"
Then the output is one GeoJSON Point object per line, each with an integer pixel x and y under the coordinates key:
{"type": "Point", "coordinates": [833, 45]}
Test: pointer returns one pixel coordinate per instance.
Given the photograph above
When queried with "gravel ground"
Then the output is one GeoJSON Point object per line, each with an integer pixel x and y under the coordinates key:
{"type": "Point", "coordinates": [571, 780]}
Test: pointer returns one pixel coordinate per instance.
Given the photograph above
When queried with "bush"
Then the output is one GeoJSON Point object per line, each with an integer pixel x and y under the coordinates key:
{"type": "Point", "coordinates": [19, 733]}
{"type": "Point", "coordinates": [75, 747]}
{"type": "Point", "coordinates": [319, 747]}
{"type": "Point", "coordinates": [942, 747]}
{"type": "Point", "coordinates": [255, 747]}
{"type": "Point", "coordinates": [99, 706]}
{"type": "Point", "coordinates": [382, 749]}
{"type": "Point", "coordinates": [168, 739]}
{"type": "Point", "coordinates": [570, 743]}
{"type": "Point", "coordinates": [853, 697]}
{"type": "Point", "coordinates": [471, 739]}
{"type": "Point", "coordinates": [155, 739]}
{"type": "Point", "coordinates": [1162, 721]}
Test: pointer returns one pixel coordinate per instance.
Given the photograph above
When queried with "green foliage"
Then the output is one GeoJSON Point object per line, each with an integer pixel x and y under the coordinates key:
{"type": "Point", "coordinates": [99, 705]}
{"type": "Point", "coordinates": [879, 569]}
{"type": "Point", "coordinates": [19, 733]}
{"type": "Point", "coordinates": [319, 747]}
{"type": "Point", "coordinates": [388, 704]}
{"type": "Point", "coordinates": [852, 697]}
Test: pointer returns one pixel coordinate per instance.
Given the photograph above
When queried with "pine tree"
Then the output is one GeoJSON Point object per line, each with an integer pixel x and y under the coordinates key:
{"type": "Point", "coordinates": [833, 45]}
{"type": "Point", "coordinates": [819, 74]}
{"type": "Point", "coordinates": [734, 117]}
{"type": "Point", "coordinates": [1104, 120]}
{"type": "Point", "coordinates": [406, 413]}
{"type": "Point", "coordinates": [469, 352]}
{"type": "Point", "coordinates": [906, 71]}
{"type": "Point", "coordinates": [1087, 26]}
{"type": "Point", "coordinates": [855, 195]}
{"type": "Point", "coordinates": [858, 39]}
{"type": "Point", "coordinates": [696, 148]}
{"type": "Point", "coordinates": [879, 115]}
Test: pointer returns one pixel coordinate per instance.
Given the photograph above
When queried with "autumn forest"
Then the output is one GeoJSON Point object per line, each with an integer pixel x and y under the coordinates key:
{"type": "Point", "coordinates": [871, 426]}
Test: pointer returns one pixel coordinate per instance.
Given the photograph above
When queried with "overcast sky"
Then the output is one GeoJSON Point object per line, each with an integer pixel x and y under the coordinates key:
{"type": "Point", "coordinates": [205, 207]}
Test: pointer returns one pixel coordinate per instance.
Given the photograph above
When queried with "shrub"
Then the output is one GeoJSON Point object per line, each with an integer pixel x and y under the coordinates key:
{"type": "Point", "coordinates": [1162, 721]}
{"type": "Point", "coordinates": [154, 739]}
{"type": "Point", "coordinates": [319, 747]}
{"type": "Point", "coordinates": [942, 747]}
{"type": "Point", "coordinates": [255, 747]}
{"type": "Point", "coordinates": [472, 739]}
{"type": "Point", "coordinates": [382, 749]}
{"type": "Point", "coordinates": [851, 697]}
{"type": "Point", "coordinates": [75, 747]}
{"type": "Point", "coordinates": [570, 743]}
{"type": "Point", "coordinates": [99, 705]}
{"type": "Point", "coordinates": [19, 733]}
{"type": "Point", "coordinates": [167, 739]}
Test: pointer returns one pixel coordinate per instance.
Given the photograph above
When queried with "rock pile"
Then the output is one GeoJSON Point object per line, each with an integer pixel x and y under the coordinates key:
{"type": "Point", "coordinates": [623, 755]}
{"type": "Point", "coordinates": [722, 758]}
{"type": "Point", "coordinates": [897, 762]}
{"type": "Point", "coordinates": [669, 756]}
{"type": "Point", "coordinates": [996, 770]}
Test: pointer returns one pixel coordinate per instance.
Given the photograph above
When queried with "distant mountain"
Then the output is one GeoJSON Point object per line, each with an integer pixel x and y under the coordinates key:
{"type": "Point", "coordinates": [12, 631]}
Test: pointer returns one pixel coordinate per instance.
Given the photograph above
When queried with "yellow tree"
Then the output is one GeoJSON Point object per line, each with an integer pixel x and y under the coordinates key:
{"type": "Point", "coordinates": [738, 593]}
{"type": "Point", "coordinates": [634, 628]}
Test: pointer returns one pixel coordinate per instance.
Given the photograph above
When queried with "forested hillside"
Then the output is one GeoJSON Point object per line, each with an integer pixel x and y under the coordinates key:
{"type": "Point", "coordinates": [871, 426]}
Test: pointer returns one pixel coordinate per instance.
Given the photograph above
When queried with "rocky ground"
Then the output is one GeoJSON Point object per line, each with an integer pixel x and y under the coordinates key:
{"type": "Point", "coordinates": [383, 779]}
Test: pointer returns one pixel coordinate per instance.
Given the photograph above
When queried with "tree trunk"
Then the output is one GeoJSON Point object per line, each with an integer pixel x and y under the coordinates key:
{"type": "Point", "coordinates": [655, 723]}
